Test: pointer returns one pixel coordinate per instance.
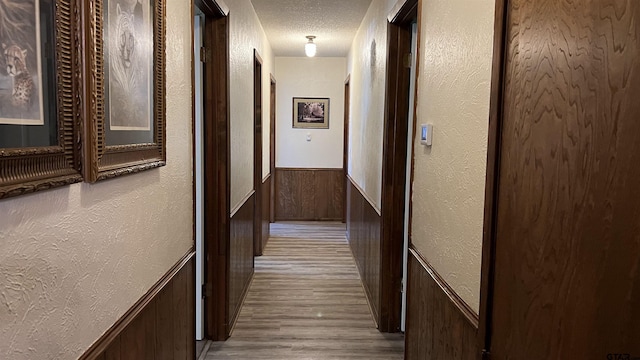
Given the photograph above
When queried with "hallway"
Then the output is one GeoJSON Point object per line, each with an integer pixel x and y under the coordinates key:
{"type": "Point", "coordinates": [307, 302]}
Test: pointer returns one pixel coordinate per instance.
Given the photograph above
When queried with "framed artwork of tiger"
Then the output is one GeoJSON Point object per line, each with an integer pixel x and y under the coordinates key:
{"type": "Point", "coordinates": [128, 64]}
{"type": "Point", "coordinates": [21, 99]}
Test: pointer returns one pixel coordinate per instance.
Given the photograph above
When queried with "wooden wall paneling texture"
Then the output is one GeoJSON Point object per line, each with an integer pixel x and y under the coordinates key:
{"type": "Point", "coordinates": [567, 242]}
{"type": "Point", "coordinates": [329, 194]}
{"type": "Point", "coordinates": [241, 259]}
{"type": "Point", "coordinates": [436, 327]}
{"type": "Point", "coordinates": [164, 322]}
{"type": "Point", "coordinates": [309, 194]}
{"type": "Point", "coordinates": [159, 326]}
{"type": "Point", "coordinates": [364, 237]}
{"type": "Point", "coordinates": [266, 210]}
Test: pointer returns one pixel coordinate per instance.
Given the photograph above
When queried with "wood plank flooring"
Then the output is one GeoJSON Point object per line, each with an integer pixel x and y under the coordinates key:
{"type": "Point", "coordinates": [307, 302]}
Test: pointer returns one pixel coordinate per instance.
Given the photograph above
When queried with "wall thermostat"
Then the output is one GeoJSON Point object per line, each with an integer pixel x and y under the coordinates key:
{"type": "Point", "coordinates": [426, 134]}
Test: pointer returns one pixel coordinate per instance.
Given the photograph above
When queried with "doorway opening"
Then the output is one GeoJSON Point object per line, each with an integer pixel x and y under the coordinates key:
{"type": "Point", "coordinates": [261, 227]}
{"type": "Point", "coordinates": [399, 128]}
{"type": "Point", "coordinates": [211, 167]}
{"type": "Point", "coordinates": [409, 169]}
{"type": "Point", "coordinates": [345, 156]}
{"type": "Point", "coordinates": [198, 29]}
{"type": "Point", "coordinates": [272, 152]}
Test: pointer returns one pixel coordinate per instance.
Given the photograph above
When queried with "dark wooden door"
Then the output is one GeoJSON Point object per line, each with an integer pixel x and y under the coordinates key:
{"type": "Point", "coordinates": [566, 282]}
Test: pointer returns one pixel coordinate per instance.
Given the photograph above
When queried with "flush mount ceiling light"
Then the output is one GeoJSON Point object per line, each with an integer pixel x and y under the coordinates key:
{"type": "Point", "coordinates": [310, 47]}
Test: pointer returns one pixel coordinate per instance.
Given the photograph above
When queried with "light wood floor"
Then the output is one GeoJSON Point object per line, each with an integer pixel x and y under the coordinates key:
{"type": "Point", "coordinates": [307, 302]}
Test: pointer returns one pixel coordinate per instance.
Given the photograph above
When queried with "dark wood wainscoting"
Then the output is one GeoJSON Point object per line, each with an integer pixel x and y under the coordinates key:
{"type": "Point", "coordinates": [439, 324]}
{"type": "Point", "coordinates": [161, 325]}
{"type": "Point", "coordinates": [266, 210]}
{"type": "Point", "coordinates": [364, 235]}
{"type": "Point", "coordinates": [240, 256]}
{"type": "Point", "coordinates": [309, 194]}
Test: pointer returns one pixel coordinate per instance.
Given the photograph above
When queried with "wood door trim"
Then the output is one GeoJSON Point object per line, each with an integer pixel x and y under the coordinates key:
{"type": "Point", "coordinates": [216, 8]}
{"type": "Point", "coordinates": [216, 171]}
{"type": "Point", "coordinates": [345, 142]}
{"type": "Point", "coordinates": [272, 148]}
{"type": "Point", "coordinates": [403, 11]}
{"type": "Point", "coordinates": [415, 126]}
{"type": "Point", "coordinates": [492, 177]}
{"type": "Point", "coordinates": [213, 7]}
{"type": "Point", "coordinates": [394, 165]}
{"type": "Point", "coordinates": [193, 123]}
{"type": "Point", "coordinates": [258, 108]}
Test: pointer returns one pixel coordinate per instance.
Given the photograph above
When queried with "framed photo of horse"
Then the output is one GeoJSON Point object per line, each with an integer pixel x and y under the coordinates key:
{"type": "Point", "coordinates": [39, 57]}
{"type": "Point", "coordinates": [310, 113]}
{"type": "Point", "coordinates": [125, 124]}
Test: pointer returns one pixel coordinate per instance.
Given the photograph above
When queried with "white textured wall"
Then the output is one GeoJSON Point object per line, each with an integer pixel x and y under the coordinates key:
{"type": "Point", "coordinates": [268, 69]}
{"type": "Point", "coordinates": [310, 77]}
{"type": "Point", "coordinates": [245, 35]}
{"type": "Point", "coordinates": [367, 66]}
{"type": "Point", "coordinates": [75, 259]}
{"type": "Point", "coordinates": [453, 95]}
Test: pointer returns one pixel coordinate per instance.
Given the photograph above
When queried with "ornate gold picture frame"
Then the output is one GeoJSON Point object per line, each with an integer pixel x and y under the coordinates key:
{"type": "Point", "coordinates": [125, 87]}
{"type": "Point", "coordinates": [40, 87]}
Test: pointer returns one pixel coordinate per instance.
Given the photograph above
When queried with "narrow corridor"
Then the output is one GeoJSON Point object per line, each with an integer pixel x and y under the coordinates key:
{"type": "Point", "coordinates": [307, 302]}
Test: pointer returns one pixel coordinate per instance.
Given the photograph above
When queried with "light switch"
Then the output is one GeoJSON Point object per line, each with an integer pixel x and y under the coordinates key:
{"type": "Point", "coordinates": [308, 137]}
{"type": "Point", "coordinates": [426, 135]}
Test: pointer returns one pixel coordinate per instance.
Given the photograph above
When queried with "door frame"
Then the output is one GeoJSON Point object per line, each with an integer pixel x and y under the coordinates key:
{"type": "Point", "coordinates": [258, 241]}
{"type": "Point", "coordinates": [345, 146]}
{"type": "Point", "coordinates": [492, 178]}
{"type": "Point", "coordinates": [216, 165]}
{"type": "Point", "coordinates": [200, 256]}
{"type": "Point", "coordinates": [272, 150]}
{"type": "Point", "coordinates": [394, 161]}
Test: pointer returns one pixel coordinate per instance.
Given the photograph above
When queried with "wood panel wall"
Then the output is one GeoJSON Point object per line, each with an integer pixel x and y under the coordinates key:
{"type": "Point", "coordinates": [266, 210]}
{"type": "Point", "coordinates": [439, 324]}
{"type": "Point", "coordinates": [364, 235]}
{"type": "Point", "coordinates": [240, 257]}
{"type": "Point", "coordinates": [161, 325]}
{"type": "Point", "coordinates": [309, 194]}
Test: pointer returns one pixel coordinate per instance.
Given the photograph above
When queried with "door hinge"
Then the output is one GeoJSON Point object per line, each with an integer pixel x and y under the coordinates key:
{"type": "Point", "coordinates": [408, 60]}
{"type": "Point", "coordinates": [206, 290]}
{"type": "Point", "coordinates": [203, 54]}
{"type": "Point", "coordinates": [486, 355]}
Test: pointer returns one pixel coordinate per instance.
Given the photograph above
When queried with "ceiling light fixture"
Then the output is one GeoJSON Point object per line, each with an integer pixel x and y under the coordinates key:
{"type": "Point", "coordinates": [310, 47]}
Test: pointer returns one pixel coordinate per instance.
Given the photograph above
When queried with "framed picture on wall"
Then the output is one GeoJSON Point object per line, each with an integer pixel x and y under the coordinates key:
{"type": "Point", "coordinates": [38, 113]}
{"type": "Point", "coordinates": [125, 125]}
{"type": "Point", "coordinates": [310, 113]}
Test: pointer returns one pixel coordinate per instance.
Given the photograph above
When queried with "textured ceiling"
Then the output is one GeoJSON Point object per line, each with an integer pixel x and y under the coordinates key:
{"type": "Point", "coordinates": [333, 22]}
